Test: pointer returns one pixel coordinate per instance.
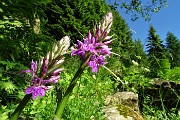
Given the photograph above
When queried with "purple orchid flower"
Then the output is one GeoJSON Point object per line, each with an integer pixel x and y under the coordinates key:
{"type": "Point", "coordinates": [49, 69]}
{"type": "Point", "coordinates": [39, 85]}
{"type": "Point", "coordinates": [95, 62]}
{"type": "Point", "coordinates": [32, 70]}
{"type": "Point", "coordinates": [37, 88]}
{"type": "Point", "coordinates": [80, 50]}
{"type": "Point", "coordinates": [96, 45]}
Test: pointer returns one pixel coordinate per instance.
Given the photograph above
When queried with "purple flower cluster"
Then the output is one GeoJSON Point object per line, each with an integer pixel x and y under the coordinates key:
{"type": "Point", "coordinates": [49, 69]}
{"type": "Point", "coordinates": [40, 84]}
{"type": "Point", "coordinates": [97, 45]}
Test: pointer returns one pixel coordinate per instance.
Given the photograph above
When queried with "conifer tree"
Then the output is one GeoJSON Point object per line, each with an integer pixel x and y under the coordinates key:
{"type": "Point", "coordinates": [137, 8]}
{"type": "Point", "coordinates": [155, 50]}
{"type": "Point", "coordinates": [173, 48]}
{"type": "Point", "coordinates": [73, 18]}
{"type": "Point", "coordinates": [123, 44]}
{"type": "Point", "coordinates": [20, 24]}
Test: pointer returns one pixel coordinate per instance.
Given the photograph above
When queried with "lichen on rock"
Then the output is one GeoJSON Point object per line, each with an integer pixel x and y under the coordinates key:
{"type": "Point", "coordinates": [122, 106]}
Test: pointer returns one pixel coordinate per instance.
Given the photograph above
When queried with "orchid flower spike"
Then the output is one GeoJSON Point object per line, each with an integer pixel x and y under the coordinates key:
{"type": "Point", "coordinates": [50, 69]}
{"type": "Point", "coordinates": [96, 45]}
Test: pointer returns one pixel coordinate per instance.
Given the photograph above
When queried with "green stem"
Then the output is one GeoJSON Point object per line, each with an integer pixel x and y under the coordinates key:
{"type": "Point", "coordinates": [20, 107]}
{"type": "Point", "coordinates": [63, 102]}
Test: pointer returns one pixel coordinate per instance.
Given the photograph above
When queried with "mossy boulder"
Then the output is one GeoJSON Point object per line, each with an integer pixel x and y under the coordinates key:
{"type": "Point", "coordinates": [122, 106]}
{"type": "Point", "coordinates": [127, 111]}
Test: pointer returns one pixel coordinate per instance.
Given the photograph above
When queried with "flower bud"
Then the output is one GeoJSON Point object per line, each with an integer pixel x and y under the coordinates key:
{"type": "Point", "coordinates": [107, 22]}
{"type": "Point", "coordinates": [56, 72]}
{"type": "Point", "coordinates": [44, 67]}
{"type": "Point", "coordinates": [54, 79]}
{"type": "Point", "coordinates": [98, 33]}
{"type": "Point", "coordinates": [33, 67]}
{"type": "Point", "coordinates": [64, 44]}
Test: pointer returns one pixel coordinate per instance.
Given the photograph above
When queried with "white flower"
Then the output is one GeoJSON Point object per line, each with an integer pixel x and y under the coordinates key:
{"type": "Point", "coordinates": [135, 63]}
{"type": "Point", "coordinates": [107, 22]}
{"type": "Point", "coordinates": [64, 44]}
{"type": "Point", "coordinates": [146, 69]}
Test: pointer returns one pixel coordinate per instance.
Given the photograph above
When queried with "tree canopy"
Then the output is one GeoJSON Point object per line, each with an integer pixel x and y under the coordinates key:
{"type": "Point", "coordinates": [173, 48]}
{"type": "Point", "coordinates": [140, 8]}
{"type": "Point", "coordinates": [155, 50]}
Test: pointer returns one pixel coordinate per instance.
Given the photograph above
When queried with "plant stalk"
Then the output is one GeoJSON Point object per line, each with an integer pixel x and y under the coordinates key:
{"type": "Point", "coordinates": [63, 102]}
{"type": "Point", "coordinates": [20, 107]}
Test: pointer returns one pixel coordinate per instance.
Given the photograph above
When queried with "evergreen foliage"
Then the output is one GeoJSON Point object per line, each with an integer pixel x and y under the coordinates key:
{"type": "Point", "coordinates": [155, 50]}
{"type": "Point", "coordinates": [139, 7]}
{"type": "Point", "coordinates": [73, 18]}
{"type": "Point", "coordinates": [173, 48]}
{"type": "Point", "coordinates": [123, 44]}
{"type": "Point", "coordinates": [20, 42]}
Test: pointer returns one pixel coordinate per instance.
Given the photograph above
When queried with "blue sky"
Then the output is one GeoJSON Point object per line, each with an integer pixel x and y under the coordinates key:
{"type": "Point", "coordinates": [167, 19]}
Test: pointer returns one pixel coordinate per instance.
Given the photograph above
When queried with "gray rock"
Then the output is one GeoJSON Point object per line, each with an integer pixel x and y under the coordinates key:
{"type": "Point", "coordinates": [122, 106]}
{"type": "Point", "coordinates": [111, 113]}
{"type": "Point", "coordinates": [126, 98]}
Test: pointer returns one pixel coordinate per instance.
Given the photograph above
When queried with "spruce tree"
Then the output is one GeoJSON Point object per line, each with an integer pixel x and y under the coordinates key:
{"type": "Point", "coordinates": [76, 17]}
{"type": "Point", "coordinates": [73, 18]}
{"type": "Point", "coordinates": [155, 51]}
{"type": "Point", "coordinates": [20, 30]}
{"type": "Point", "coordinates": [173, 48]}
{"type": "Point", "coordinates": [123, 44]}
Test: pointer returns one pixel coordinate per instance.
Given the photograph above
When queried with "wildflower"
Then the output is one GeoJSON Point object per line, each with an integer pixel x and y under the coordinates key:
{"type": "Point", "coordinates": [95, 62]}
{"type": "Point", "coordinates": [49, 69]}
{"type": "Point", "coordinates": [37, 88]}
{"type": "Point", "coordinates": [96, 45]}
{"type": "Point", "coordinates": [146, 69]}
{"type": "Point", "coordinates": [135, 63]}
